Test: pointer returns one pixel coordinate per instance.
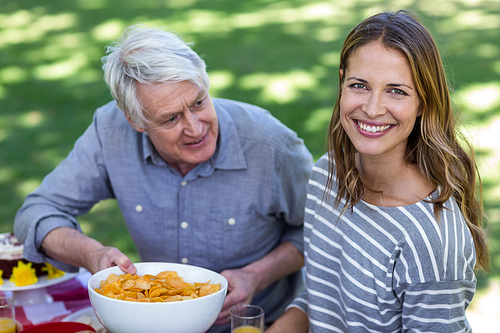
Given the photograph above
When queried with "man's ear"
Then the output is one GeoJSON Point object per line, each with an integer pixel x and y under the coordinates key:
{"type": "Point", "coordinates": [134, 125]}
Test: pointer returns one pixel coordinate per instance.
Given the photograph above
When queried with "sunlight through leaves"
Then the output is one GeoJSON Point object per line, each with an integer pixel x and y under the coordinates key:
{"type": "Point", "coordinates": [281, 88]}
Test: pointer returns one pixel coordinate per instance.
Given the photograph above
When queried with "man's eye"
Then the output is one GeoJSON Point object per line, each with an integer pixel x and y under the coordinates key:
{"type": "Point", "coordinates": [171, 119]}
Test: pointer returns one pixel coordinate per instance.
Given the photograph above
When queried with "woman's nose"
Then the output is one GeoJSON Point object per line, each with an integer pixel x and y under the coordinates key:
{"type": "Point", "coordinates": [373, 106]}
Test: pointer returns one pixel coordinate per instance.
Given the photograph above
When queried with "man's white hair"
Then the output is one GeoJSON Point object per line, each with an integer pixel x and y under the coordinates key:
{"type": "Point", "coordinates": [148, 55]}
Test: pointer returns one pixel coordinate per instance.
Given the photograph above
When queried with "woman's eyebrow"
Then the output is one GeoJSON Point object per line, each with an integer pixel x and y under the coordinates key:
{"type": "Point", "coordinates": [396, 85]}
{"type": "Point", "coordinates": [357, 79]}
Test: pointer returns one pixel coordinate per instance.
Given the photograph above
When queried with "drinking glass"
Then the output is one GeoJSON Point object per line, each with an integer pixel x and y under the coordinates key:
{"type": "Point", "coordinates": [7, 315]}
{"type": "Point", "coordinates": [247, 319]}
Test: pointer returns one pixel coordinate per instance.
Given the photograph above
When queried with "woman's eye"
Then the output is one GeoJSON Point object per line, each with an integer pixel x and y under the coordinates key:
{"type": "Point", "coordinates": [399, 92]}
{"type": "Point", "coordinates": [358, 85]}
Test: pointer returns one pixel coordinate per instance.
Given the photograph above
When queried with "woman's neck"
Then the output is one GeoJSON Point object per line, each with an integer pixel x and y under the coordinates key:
{"type": "Point", "coordinates": [392, 183]}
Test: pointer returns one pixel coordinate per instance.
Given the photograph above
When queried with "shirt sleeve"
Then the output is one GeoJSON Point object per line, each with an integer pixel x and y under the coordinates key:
{"type": "Point", "coordinates": [436, 306]}
{"type": "Point", "coordinates": [291, 187]}
{"type": "Point", "coordinates": [70, 190]}
{"type": "Point", "coordinates": [300, 302]}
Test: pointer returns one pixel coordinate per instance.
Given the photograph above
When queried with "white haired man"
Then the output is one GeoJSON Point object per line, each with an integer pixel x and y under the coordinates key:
{"type": "Point", "coordinates": [210, 182]}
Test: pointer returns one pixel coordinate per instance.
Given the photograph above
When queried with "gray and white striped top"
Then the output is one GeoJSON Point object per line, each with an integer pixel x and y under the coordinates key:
{"type": "Point", "coordinates": [385, 269]}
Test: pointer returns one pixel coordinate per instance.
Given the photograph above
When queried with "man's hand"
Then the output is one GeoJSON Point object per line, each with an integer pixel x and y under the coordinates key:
{"type": "Point", "coordinates": [242, 286]}
{"type": "Point", "coordinates": [74, 248]}
{"type": "Point", "coordinates": [107, 257]}
{"type": "Point", "coordinates": [244, 283]}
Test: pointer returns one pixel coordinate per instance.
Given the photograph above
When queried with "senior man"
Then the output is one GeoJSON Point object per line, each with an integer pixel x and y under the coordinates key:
{"type": "Point", "coordinates": [206, 181]}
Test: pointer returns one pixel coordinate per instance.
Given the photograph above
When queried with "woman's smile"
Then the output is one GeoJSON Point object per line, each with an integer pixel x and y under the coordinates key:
{"type": "Point", "coordinates": [372, 128]}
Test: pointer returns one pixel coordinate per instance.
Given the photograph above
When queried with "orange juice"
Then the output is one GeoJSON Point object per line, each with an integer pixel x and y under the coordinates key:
{"type": "Point", "coordinates": [247, 329]}
{"type": "Point", "coordinates": [7, 325]}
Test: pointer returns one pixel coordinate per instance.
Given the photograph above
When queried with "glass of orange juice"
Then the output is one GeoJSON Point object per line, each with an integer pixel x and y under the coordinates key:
{"type": "Point", "coordinates": [247, 319]}
{"type": "Point", "coordinates": [7, 315]}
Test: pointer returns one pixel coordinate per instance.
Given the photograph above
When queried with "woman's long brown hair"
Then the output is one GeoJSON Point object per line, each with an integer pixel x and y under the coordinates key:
{"type": "Point", "coordinates": [434, 143]}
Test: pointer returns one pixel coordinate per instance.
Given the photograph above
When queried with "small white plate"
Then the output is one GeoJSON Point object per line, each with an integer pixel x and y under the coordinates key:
{"type": "Point", "coordinates": [86, 316]}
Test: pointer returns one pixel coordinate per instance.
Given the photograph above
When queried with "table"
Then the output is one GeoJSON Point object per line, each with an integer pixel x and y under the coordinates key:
{"type": "Point", "coordinates": [67, 297]}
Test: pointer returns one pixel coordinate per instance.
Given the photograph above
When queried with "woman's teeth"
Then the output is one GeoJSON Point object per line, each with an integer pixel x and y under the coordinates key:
{"type": "Point", "coordinates": [373, 129]}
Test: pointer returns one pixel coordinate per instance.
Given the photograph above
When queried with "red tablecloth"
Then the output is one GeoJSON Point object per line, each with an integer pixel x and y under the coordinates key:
{"type": "Point", "coordinates": [69, 296]}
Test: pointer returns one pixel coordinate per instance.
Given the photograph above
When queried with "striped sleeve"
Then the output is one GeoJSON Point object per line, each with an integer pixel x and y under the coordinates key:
{"type": "Point", "coordinates": [441, 264]}
{"type": "Point", "coordinates": [299, 302]}
{"type": "Point", "coordinates": [436, 306]}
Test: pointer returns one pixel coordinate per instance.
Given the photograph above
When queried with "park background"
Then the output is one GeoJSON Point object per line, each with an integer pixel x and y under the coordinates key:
{"type": "Point", "coordinates": [280, 55]}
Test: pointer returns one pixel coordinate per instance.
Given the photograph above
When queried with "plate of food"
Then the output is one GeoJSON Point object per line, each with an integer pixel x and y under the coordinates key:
{"type": "Point", "coordinates": [27, 275]}
{"type": "Point", "coordinates": [86, 316]}
{"type": "Point", "coordinates": [43, 282]}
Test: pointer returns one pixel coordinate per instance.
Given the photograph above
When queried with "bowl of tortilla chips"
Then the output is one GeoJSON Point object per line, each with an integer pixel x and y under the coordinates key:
{"type": "Point", "coordinates": [160, 297]}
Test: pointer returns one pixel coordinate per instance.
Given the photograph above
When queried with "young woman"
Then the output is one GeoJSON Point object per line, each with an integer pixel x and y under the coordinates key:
{"type": "Point", "coordinates": [393, 223]}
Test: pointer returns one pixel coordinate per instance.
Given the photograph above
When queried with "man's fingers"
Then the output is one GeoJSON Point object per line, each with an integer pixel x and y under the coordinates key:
{"type": "Point", "coordinates": [125, 264]}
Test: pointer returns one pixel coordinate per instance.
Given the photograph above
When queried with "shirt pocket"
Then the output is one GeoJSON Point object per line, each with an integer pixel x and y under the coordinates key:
{"type": "Point", "coordinates": [148, 229]}
{"type": "Point", "coordinates": [235, 241]}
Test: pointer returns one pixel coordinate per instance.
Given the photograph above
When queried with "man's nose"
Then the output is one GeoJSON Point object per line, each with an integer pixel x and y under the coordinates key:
{"type": "Point", "coordinates": [193, 126]}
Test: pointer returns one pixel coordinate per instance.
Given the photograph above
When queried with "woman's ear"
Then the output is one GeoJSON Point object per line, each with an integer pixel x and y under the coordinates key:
{"type": "Point", "coordinates": [341, 82]}
{"type": "Point", "coordinates": [420, 110]}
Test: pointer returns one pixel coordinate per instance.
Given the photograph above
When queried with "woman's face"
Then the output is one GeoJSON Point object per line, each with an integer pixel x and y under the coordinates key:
{"type": "Point", "coordinates": [379, 102]}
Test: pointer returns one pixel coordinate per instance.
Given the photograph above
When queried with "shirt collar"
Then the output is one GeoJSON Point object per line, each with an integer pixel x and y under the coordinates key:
{"type": "Point", "coordinates": [228, 154]}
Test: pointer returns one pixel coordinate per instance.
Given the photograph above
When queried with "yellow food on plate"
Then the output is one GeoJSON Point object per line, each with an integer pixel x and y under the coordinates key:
{"type": "Point", "coordinates": [23, 274]}
{"type": "Point", "coordinates": [165, 286]}
{"type": "Point", "coordinates": [52, 272]}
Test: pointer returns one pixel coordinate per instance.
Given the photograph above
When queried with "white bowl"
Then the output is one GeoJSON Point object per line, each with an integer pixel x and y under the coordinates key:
{"type": "Point", "coordinates": [194, 315]}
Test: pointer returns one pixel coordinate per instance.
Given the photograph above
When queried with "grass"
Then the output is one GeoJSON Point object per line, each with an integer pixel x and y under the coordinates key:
{"type": "Point", "coordinates": [281, 55]}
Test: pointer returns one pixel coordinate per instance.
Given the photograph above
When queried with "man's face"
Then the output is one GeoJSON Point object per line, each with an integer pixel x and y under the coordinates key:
{"type": "Point", "coordinates": [182, 124]}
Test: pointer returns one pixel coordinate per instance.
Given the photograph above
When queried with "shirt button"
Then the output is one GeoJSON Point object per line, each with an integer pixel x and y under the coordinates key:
{"type": "Point", "coordinates": [184, 225]}
{"type": "Point", "coordinates": [184, 260]}
{"type": "Point", "coordinates": [138, 208]}
{"type": "Point", "coordinates": [184, 183]}
{"type": "Point", "coordinates": [231, 221]}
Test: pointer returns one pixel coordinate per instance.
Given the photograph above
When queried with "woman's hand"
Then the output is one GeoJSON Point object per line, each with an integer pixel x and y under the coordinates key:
{"type": "Point", "coordinates": [293, 320]}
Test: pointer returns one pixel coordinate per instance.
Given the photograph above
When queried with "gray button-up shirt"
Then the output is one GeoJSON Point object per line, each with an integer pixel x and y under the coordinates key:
{"type": "Point", "coordinates": [225, 213]}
